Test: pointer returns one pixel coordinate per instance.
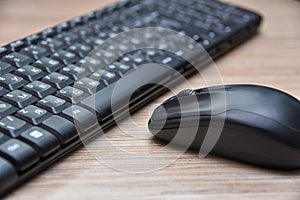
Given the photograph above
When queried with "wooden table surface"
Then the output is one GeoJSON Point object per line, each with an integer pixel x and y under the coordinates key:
{"type": "Point", "coordinates": [270, 58]}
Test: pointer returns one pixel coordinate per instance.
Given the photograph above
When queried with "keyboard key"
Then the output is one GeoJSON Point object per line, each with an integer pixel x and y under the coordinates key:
{"type": "Point", "coordinates": [151, 53]}
{"type": "Point", "coordinates": [76, 21]}
{"type": "Point", "coordinates": [120, 68]}
{"type": "Point", "coordinates": [63, 129]}
{"type": "Point", "coordinates": [62, 27]}
{"type": "Point", "coordinates": [170, 23]}
{"type": "Point", "coordinates": [104, 56]}
{"type": "Point", "coordinates": [53, 104]}
{"type": "Point", "coordinates": [11, 81]}
{"type": "Point", "coordinates": [72, 95]}
{"type": "Point", "coordinates": [33, 114]}
{"type": "Point", "coordinates": [192, 32]}
{"type": "Point", "coordinates": [94, 41]}
{"type": "Point", "coordinates": [13, 126]}
{"type": "Point", "coordinates": [6, 109]}
{"type": "Point", "coordinates": [128, 60]}
{"type": "Point", "coordinates": [3, 51]}
{"type": "Point", "coordinates": [30, 73]}
{"type": "Point", "coordinates": [91, 64]}
{"type": "Point", "coordinates": [19, 98]}
{"type": "Point", "coordinates": [88, 17]}
{"type": "Point", "coordinates": [48, 65]}
{"type": "Point", "coordinates": [32, 39]}
{"type": "Point", "coordinates": [171, 61]}
{"type": "Point", "coordinates": [48, 33]}
{"type": "Point", "coordinates": [84, 32]}
{"type": "Point", "coordinates": [5, 68]}
{"type": "Point", "coordinates": [83, 119]}
{"type": "Point", "coordinates": [16, 59]}
{"type": "Point", "coordinates": [68, 38]}
{"type": "Point", "coordinates": [57, 80]}
{"type": "Point", "coordinates": [137, 59]}
{"type": "Point", "coordinates": [20, 154]}
{"type": "Point", "coordinates": [52, 45]}
{"type": "Point", "coordinates": [39, 89]}
{"type": "Point", "coordinates": [35, 52]}
{"type": "Point", "coordinates": [41, 140]}
{"type": "Point", "coordinates": [107, 76]}
{"type": "Point", "coordinates": [80, 50]}
{"type": "Point", "coordinates": [74, 72]}
{"type": "Point", "coordinates": [65, 57]}
{"type": "Point", "coordinates": [17, 45]}
{"type": "Point", "coordinates": [3, 91]}
{"type": "Point", "coordinates": [8, 175]}
{"type": "Point", "coordinates": [3, 138]}
{"type": "Point", "coordinates": [89, 85]}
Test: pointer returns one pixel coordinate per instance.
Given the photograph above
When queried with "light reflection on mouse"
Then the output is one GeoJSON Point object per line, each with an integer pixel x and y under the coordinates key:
{"type": "Point", "coordinates": [262, 125]}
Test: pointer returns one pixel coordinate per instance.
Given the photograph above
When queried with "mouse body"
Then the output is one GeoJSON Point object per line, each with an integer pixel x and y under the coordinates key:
{"type": "Point", "coordinates": [261, 125]}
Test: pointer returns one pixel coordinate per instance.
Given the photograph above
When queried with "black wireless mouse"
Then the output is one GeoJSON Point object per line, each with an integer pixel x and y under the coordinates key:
{"type": "Point", "coordinates": [258, 125]}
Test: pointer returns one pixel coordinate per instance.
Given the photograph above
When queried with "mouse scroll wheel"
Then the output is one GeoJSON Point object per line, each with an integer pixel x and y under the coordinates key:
{"type": "Point", "coordinates": [186, 93]}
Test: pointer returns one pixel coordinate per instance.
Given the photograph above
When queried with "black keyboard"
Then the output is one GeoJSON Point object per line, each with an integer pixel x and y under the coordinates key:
{"type": "Point", "coordinates": [47, 79]}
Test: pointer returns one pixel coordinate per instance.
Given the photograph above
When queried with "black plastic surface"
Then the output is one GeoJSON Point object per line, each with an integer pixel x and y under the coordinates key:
{"type": "Point", "coordinates": [261, 124]}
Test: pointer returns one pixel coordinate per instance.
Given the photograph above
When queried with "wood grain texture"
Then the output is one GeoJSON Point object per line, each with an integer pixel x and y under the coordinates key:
{"type": "Point", "coordinates": [271, 58]}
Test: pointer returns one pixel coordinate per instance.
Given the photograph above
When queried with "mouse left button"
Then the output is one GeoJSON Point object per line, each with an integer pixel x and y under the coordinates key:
{"type": "Point", "coordinates": [8, 175]}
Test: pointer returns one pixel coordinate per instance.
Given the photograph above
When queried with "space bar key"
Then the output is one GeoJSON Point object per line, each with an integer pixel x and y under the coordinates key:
{"type": "Point", "coordinates": [117, 96]}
